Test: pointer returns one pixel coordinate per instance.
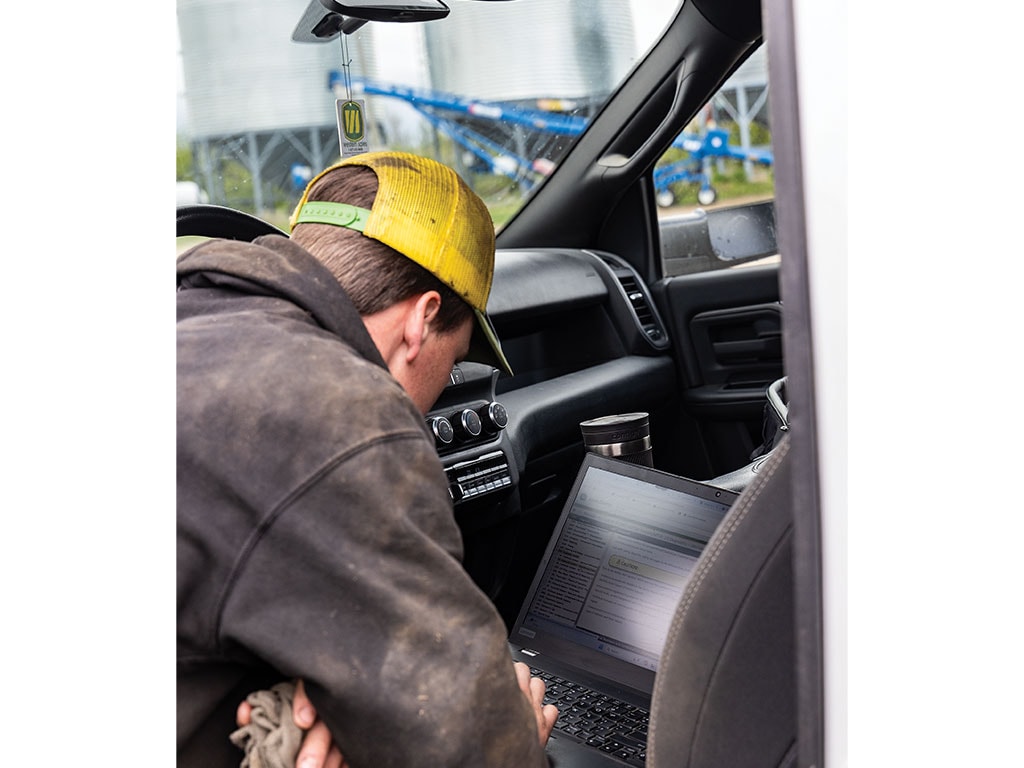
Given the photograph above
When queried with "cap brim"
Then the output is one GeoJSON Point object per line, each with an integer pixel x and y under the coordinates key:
{"type": "Point", "coordinates": [484, 346]}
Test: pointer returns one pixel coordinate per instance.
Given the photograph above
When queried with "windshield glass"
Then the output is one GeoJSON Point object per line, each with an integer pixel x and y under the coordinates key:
{"type": "Point", "coordinates": [498, 91]}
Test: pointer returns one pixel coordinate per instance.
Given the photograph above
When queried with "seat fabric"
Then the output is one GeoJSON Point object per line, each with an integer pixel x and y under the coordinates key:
{"type": "Point", "coordinates": [725, 690]}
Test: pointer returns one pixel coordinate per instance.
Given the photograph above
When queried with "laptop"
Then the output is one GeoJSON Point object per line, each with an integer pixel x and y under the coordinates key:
{"type": "Point", "coordinates": [596, 616]}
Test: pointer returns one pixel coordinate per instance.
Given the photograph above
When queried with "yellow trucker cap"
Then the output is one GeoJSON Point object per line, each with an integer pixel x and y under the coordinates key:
{"type": "Point", "coordinates": [426, 212]}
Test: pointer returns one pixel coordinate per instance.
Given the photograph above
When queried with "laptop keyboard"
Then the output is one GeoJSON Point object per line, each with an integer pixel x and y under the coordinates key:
{"type": "Point", "coordinates": [605, 723]}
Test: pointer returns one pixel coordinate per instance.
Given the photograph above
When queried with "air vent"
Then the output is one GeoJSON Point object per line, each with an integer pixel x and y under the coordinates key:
{"type": "Point", "coordinates": [639, 301]}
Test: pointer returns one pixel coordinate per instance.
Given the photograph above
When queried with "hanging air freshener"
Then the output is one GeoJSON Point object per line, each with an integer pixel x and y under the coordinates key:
{"type": "Point", "coordinates": [351, 113]}
{"type": "Point", "coordinates": [352, 126]}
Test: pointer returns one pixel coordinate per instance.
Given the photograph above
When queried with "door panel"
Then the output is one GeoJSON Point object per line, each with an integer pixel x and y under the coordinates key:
{"type": "Point", "coordinates": [738, 347]}
{"type": "Point", "coordinates": [726, 331]}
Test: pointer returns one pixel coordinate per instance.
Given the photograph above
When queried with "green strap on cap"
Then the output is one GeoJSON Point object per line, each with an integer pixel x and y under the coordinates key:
{"type": "Point", "coordinates": [338, 214]}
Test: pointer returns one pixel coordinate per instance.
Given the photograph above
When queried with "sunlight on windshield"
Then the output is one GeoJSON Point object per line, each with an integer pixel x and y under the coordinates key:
{"type": "Point", "coordinates": [498, 91]}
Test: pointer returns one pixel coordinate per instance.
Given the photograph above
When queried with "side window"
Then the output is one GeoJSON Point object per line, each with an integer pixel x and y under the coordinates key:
{"type": "Point", "coordinates": [720, 168]}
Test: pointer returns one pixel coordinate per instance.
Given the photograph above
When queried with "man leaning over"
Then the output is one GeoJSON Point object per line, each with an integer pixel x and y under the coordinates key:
{"type": "Point", "coordinates": [316, 537]}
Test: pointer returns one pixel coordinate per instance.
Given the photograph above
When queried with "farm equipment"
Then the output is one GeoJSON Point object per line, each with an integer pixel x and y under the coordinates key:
{"type": "Point", "coordinates": [538, 133]}
{"type": "Point", "coordinates": [701, 149]}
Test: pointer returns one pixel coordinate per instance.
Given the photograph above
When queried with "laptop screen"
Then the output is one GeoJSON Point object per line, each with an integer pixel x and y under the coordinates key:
{"type": "Point", "coordinates": [615, 568]}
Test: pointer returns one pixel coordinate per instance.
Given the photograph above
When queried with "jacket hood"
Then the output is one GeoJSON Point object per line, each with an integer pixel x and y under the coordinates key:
{"type": "Point", "coordinates": [278, 267]}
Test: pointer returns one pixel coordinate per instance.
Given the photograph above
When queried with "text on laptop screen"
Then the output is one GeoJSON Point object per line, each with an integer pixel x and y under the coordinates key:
{"type": "Point", "coordinates": [619, 566]}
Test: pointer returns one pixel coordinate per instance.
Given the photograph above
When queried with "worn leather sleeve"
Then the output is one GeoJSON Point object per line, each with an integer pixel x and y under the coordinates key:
{"type": "Point", "coordinates": [404, 658]}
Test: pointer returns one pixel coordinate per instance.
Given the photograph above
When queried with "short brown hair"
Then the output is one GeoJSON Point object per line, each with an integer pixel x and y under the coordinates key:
{"type": "Point", "coordinates": [374, 275]}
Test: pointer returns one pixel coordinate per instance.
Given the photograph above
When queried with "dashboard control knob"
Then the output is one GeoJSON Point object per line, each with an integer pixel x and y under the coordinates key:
{"type": "Point", "coordinates": [467, 423]}
{"type": "Point", "coordinates": [441, 429]}
{"type": "Point", "coordinates": [494, 417]}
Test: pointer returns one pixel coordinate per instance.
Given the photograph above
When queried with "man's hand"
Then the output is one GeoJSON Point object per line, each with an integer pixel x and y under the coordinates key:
{"type": "Point", "coordinates": [318, 749]}
{"type": "Point", "coordinates": [533, 688]}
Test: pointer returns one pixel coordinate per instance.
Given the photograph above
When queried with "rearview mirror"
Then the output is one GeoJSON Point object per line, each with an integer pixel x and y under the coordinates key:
{"type": "Point", "coordinates": [324, 20]}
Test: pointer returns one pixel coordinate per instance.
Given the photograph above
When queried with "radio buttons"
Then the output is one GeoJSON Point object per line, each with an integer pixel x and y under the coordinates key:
{"type": "Point", "coordinates": [487, 474]}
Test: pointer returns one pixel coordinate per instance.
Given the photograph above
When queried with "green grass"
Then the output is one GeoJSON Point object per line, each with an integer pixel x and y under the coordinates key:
{"type": "Point", "coordinates": [732, 184]}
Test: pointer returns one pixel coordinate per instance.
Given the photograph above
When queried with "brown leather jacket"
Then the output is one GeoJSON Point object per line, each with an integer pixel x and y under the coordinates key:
{"type": "Point", "coordinates": [316, 538]}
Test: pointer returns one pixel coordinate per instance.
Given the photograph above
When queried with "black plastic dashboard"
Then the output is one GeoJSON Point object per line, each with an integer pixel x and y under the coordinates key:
{"type": "Point", "coordinates": [585, 339]}
{"type": "Point", "coordinates": [574, 324]}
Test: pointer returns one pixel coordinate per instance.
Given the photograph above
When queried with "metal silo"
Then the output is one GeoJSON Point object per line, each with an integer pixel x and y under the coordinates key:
{"type": "Point", "coordinates": [255, 97]}
{"type": "Point", "coordinates": [587, 45]}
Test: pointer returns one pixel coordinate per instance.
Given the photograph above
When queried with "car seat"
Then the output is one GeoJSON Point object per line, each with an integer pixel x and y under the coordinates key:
{"type": "Point", "coordinates": [725, 689]}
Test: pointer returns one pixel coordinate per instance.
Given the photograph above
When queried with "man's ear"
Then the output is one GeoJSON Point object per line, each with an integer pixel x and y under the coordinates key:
{"type": "Point", "coordinates": [418, 323]}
